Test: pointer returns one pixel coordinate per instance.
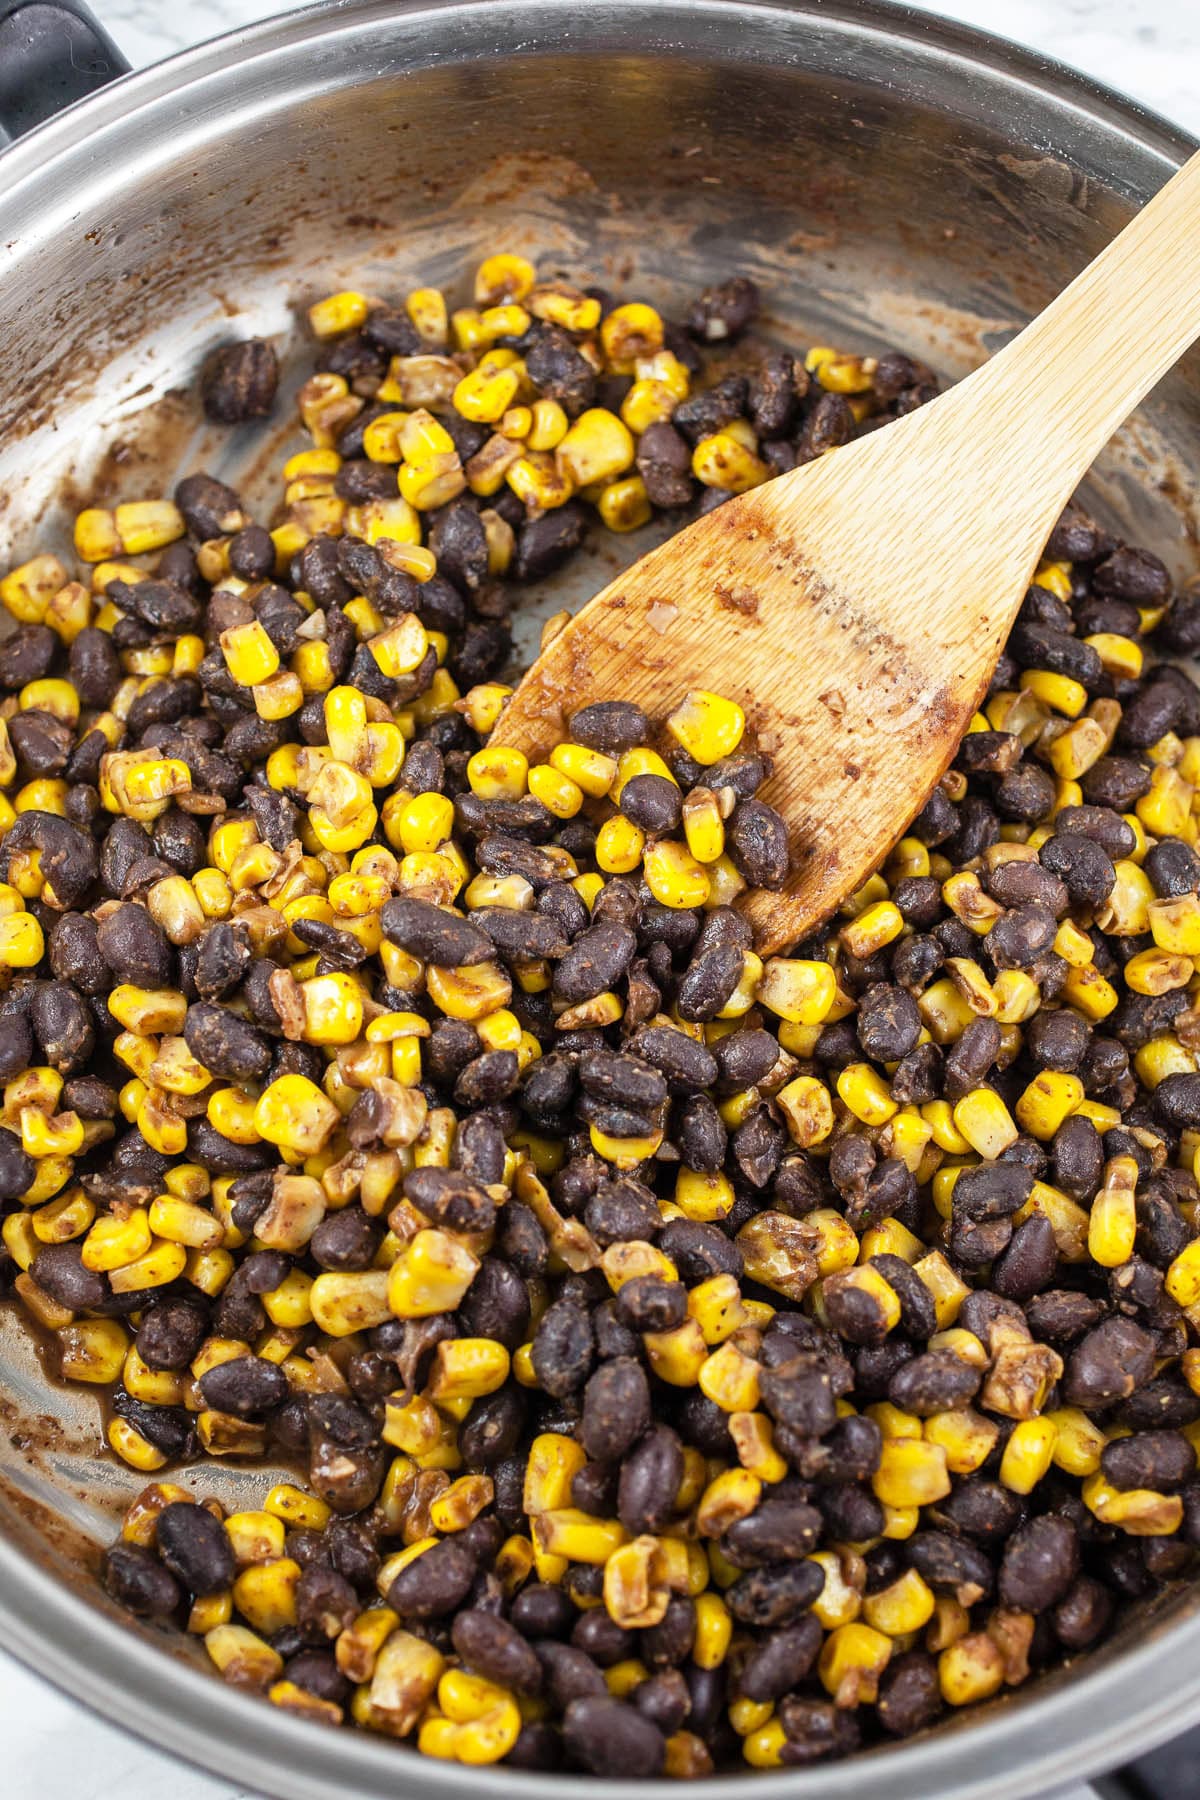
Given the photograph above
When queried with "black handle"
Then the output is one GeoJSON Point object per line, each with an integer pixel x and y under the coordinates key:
{"type": "Point", "coordinates": [52, 52]}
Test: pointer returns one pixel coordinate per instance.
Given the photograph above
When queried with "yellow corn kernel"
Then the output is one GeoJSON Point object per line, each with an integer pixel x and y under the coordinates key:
{"type": "Point", "coordinates": [906, 1605]}
{"type": "Point", "coordinates": [249, 654]}
{"type": "Point", "coordinates": [985, 1122]}
{"type": "Point", "coordinates": [337, 313]}
{"type": "Point", "coordinates": [1028, 1454]}
{"type": "Point", "coordinates": [967, 1438]}
{"type": "Point", "coordinates": [430, 1276]}
{"type": "Point", "coordinates": [1175, 925]}
{"type": "Point", "coordinates": [703, 1197]}
{"type": "Point", "coordinates": [1078, 1442]}
{"type": "Point", "coordinates": [911, 1472]}
{"type": "Point", "coordinates": [1059, 692]}
{"type": "Point", "coordinates": [673, 875]}
{"type": "Point", "coordinates": [800, 991]}
{"type": "Point", "coordinates": [1138, 1511]}
{"type": "Point", "coordinates": [295, 1115]}
{"type": "Point", "coordinates": [597, 447]}
{"type": "Point", "coordinates": [92, 1350]}
{"type": "Point", "coordinates": [1183, 1276]}
{"type": "Point", "coordinates": [498, 773]}
{"type": "Point", "coordinates": [970, 1670]}
{"type": "Point", "coordinates": [619, 845]}
{"type": "Point", "coordinates": [1050, 1098]}
{"type": "Point", "coordinates": [1112, 1224]}
{"type": "Point", "coordinates": [22, 942]}
{"type": "Point", "coordinates": [852, 1660]}
{"type": "Point", "coordinates": [866, 1094]}
{"type": "Point", "coordinates": [707, 725]}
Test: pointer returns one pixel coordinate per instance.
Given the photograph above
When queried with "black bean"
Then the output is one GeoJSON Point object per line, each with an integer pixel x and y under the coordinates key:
{"type": "Point", "coordinates": [1082, 1614]}
{"type": "Point", "coordinates": [723, 312]}
{"type": "Point", "coordinates": [609, 1738]}
{"type": "Point", "coordinates": [195, 1547]}
{"type": "Point", "coordinates": [757, 842]}
{"type": "Point", "coordinates": [1040, 1563]}
{"type": "Point", "coordinates": [1030, 1262]}
{"type": "Point", "coordinates": [136, 1580]}
{"type": "Point", "coordinates": [435, 1584]}
{"type": "Point", "coordinates": [563, 1349]}
{"type": "Point", "coordinates": [595, 962]}
{"type": "Point", "coordinates": [910, 1697]}
{"type": "Point", "coordinates": [433, 934]}
{"type": "Point", "coordinates": [225, 1043]}
{"type": "Point", "coordinates": [171, 1332]}
{"type": "Point", "coordinates": [937, 1381]}
{"type": "Point", "coordinates": [776, 1531]}
{"type": "Point", "coordinates": [649, 1482]}
{"type": "Point", "coordinates": [774, 1594]}
{"type": "Point", "coordinates": [238, 382]}
{"type": "Point", "coordinates": [450, 1198]}
{"type": "Point", "coordinates": [951, 1565]}
{"type": "Point", "coordinates": [1109, 1363]}
{"type": "Point", "coordinates": [245, 1386]}
{"type": "Point", "coordinates": [1161, 1460]}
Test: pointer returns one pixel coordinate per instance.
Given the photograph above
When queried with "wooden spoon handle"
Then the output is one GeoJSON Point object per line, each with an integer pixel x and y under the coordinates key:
{"type": "Point", "coordinates": [1064, 385]}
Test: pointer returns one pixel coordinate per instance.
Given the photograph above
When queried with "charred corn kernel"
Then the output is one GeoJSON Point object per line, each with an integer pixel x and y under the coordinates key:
{"type": "Point", "coordinates": [294, 1114]}
{"type": "Point", "coordinates": [970, 1670]}
{"type": "Point", "coordinates": [1028, 1454]}
{"type": "Point", "coordinates": [555, 791]}
{"type": "Point", "coordinates": [265, 1594]}
{"type": "Point", "coordinates": [1078, 1442]}
{"type": "Point", "coordinates": [92, 1350]}
{"type": "Point", "coordinates": [717, 1307]}
{"type": "Point", "coordinates": [1157, 972]}
{"type": "Point", "coordinates": [498, 773]}
{"type": "Point", "coordinates": [619, 845]}
{"type": "Point", "coordinates": [836, 1247]}
{"type": "Point", "coordinates": [707, 725]}
{"type": "Point", "coordinates": [866, 1094]}
{"type": "Point", "coordinates": [1074, 750]}
{"type": "Point", "coordinates": [337, 313]}
{"type": "Point", "coordinates": [132, 1447]}
{"type": "Point", "coordinates": [1161, 1057]}
{"type": "Point", "coordinates": [1183, 1276]}
{"type": "Point", "coordinates": [800, 991]}
{"type": "Point", "coordinates": [243, 1657]}
{"type": "Point", "coordinates": [851, 1662]}
{"type": "Point", "coordinates": [249, 654]}
{"type": "Point", "coordinates": [911, 1472]}
{"type": "Point", "coordinates": [1166, 808]}
{"type": "Point", "coordinates": [468, 993]}
{"type": "Point", "coordinates": [730, 1496]}
{"type": "Point", "coordinates": [1138, 1511]}
{"type": "Point", "coordinates": [1050, 1098]}
{"type": "Point", "coordinates": [723, 461]}
{"type": "Point", "coordinates": [872, 929]}
{"type": "Point", "coordinates": [421, 824]}
{"type": "Point", "coordinates": [28, 590]}
{"type": "Point", "coordinates": [985, 1122]}
{"type": "Point", "coordinates": [597, 447]}
{"type": "Point", "coordinates": [754, 1442]}
{"type": "Point", "coordinates": [503, 277]}
{"type": "Point", "coordinates": [673, 875]}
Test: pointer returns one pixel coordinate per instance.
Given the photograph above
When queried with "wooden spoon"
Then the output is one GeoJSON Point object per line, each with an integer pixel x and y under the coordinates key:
{"type": "Point", "coordinates": [857, 606]}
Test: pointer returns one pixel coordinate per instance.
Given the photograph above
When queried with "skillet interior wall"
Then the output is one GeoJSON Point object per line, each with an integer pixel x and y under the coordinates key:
{"type": "Point", "coordinates": [875, 204]}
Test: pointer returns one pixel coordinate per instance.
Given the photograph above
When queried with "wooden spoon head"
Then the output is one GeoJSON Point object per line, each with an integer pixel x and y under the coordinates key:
{"type": "Point", "coordinates": [852, 648]}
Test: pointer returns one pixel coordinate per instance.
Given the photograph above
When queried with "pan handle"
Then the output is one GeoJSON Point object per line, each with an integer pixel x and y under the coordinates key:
{"type": "Point", "coordinates": [52, 52]}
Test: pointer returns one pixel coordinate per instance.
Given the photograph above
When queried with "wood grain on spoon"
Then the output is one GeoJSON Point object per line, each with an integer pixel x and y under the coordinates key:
{"type": "Point", "coordinates": [857, 606]}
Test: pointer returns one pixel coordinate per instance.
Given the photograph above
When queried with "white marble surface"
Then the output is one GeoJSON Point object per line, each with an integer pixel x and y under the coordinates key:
{"type": "Point", "coordinates": [1152, 51]}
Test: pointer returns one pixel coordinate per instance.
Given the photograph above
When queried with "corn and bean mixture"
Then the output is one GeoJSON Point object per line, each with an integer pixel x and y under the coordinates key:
{"type": "Point", "coordinates": [677, 1356]}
